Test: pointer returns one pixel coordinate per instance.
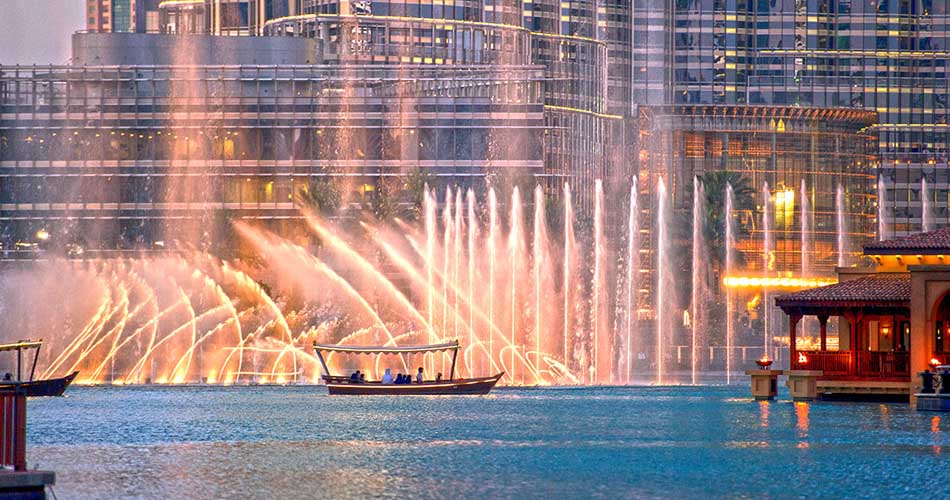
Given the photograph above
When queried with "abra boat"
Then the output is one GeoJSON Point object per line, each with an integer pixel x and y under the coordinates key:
{"type": "Point", "coordinates": [342, 385]}
{"type": "Point", "coordinates": [33, 388]}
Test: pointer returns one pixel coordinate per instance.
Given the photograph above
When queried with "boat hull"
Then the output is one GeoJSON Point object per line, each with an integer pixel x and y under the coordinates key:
{"type": "Point", "coordinates": [40, 388]}
{"type": "Point", "coordinates": [471, 386]}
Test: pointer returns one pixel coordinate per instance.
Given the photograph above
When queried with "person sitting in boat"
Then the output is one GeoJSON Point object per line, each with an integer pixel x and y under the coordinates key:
{"type": "Point", "coordinates": [438, 378]}
{"type": "Point", "coordinates": [355, 377]}
{"type": "Point", "coordinates": [388, 376]}
{"type": "Point", "coordinates": [7, 377]}
{"type": "Point", "coordinates": [419, 377]}
{"type": "Point", "coordinates": [362, 378]}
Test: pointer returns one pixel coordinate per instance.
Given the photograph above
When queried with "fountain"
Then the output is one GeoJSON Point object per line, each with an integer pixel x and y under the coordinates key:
{"type": "Point", "coordinates": [882, 233]}
{"type": "Point", "coordinates": [570, 259]}
{"type": "Point", "coordinates": [600, 340]}
{"type": "Point", "coordinates": [537, 305]}
{"type": "Point", "coordinates": [632, 281]}
{"type": "Point", "coordinates": [805, 247]}
{"type": "Point", "coordinates": [699, 298]}
{"type": "Point", "coordinates": [841, 226]}
{"type": "Point", "coordinates": [663, 271]}
{"type": "Point", "coordinates": [492, 250]}
{"type": "Point", "coordinates": [515, 256]}
{"type": "Point", "coordinates": [926, 212]}
{"type": "Point", "coordinates": [767, 266]}
{"type": "Point", "coordinates": [730, 246]}
{"type": "Point", "coordinates": [805, 230]}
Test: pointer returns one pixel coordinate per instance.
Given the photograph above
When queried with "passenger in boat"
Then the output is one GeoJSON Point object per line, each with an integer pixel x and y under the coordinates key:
{"type": "Point", "coordinates": [399, 379]}
{"type": "Point", "coordinates": [355, 377]}
{"type": "Point", "coordinates": [362, 378]}
{"type": "Point", "coordinates": [388, 377]}
{"type": "Point", "coordinates": [7, 377]}
{"type": "Point", "coordinates": [419, 377]}
{"type": "Point", "coordinates": [438, 378]}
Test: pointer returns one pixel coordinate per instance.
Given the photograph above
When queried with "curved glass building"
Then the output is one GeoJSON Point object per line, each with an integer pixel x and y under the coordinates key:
{"type": "Point", "coordinates": [148, 138]}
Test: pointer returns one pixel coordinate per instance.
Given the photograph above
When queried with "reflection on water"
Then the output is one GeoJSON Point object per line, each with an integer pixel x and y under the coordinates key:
{"type": "Point", "coordinates": [801, 423]}
{"type": "Point", "coordinates": [296, 442]}
{"type": "Point", "coordinates": [935, 430]}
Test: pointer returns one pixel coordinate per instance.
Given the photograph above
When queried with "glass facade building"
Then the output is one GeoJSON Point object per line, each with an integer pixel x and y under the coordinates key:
{"type": "Point", "coordinates": [111, 159]}
{"type": "Point", "coordinates": [887, 56]}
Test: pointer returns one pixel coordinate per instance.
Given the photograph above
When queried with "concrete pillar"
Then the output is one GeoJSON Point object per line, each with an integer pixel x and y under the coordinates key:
{"type": "Point", "coordinates": [803, 384]}
{"type": "Point", "coordinates": [764, 383]}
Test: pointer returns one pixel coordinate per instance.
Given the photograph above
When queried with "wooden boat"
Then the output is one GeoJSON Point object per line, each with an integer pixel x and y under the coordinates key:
{"type": "Point", "coordinates": [31, 387]}
{"type": "Point", "coordinates": [339, 385]}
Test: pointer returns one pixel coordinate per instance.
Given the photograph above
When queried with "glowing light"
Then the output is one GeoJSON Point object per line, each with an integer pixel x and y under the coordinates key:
{"type": "Point", "coordinates": [751, 305]}
{"type": "Point", "coordinates": [802, 359]}
{"type": "Point", "coordinates": [775, 282]}
{"type": "Point", "coordinates": [42, 235]}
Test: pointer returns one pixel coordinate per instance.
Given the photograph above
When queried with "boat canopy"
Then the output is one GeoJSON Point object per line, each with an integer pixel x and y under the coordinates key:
{"type": "Point", "coordinates": [23, 344]}
{"type": "Point", "coordinates": [449, 346]}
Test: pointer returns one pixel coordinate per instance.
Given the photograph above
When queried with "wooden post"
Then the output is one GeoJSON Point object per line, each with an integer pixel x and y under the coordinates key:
{"type": "Point", "coordinates": [19, 448]}
{"type": "Point", "coordinates": [13, 429]}
{"type": "Point", "coordinates": [793, 320]}
{"type": "Point", "coordinates": [455, 354]}
{"type": "Point", "coordinates": [36, 357]}
{"type": "Point", "coordinates": [823, 323]}
{"type": "Point", "coordinates": [326, 370]}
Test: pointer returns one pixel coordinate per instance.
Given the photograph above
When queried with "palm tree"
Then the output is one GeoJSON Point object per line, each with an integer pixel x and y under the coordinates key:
{"type": "Point", "coordinates": [714, 227]}
{"type": "Point", "coordinates": [416, 181]}
{"type": "Point", "coordinates": [381, 201]}
{"type": "Point", "coordinates": [321, 195]}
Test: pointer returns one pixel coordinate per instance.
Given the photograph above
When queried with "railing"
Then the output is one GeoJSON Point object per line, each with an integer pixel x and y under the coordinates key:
{"type": "Point", "coordinates": [883, 364]}
{"type": "Point", "coordinates": [864, 364]}
{"type": "Point", "coordinates": [830, 362]}
{"type": "Point", "coordinates": [12, 430]}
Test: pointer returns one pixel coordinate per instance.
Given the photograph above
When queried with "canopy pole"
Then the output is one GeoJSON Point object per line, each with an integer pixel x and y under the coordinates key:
{"type": "Point", "coordinates": [326, 370]}
{"type": "Point", "coordinates": [455, 354]}
{"type": "Point", "coordinates": [36, 357]}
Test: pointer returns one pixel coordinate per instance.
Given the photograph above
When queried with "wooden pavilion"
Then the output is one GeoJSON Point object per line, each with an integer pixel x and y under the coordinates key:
{"type": "Point", "coordinates": [893, 319]}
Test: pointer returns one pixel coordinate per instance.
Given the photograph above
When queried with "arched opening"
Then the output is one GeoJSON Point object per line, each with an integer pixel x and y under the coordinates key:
{"type": "Point", "coordinates": [941, 325]}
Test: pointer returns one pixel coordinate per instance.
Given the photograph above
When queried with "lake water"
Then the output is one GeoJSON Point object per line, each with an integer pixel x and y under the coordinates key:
{"type": "Point", "coordinates": [645, 442]}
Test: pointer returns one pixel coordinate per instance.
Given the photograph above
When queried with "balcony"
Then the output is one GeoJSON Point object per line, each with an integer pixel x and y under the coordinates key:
{"type": "Point", "coordinates": [861, 365]}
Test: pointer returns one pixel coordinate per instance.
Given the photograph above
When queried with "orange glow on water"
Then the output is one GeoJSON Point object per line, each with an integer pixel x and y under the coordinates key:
{"type": "Point", "coordinates": [801, 416]}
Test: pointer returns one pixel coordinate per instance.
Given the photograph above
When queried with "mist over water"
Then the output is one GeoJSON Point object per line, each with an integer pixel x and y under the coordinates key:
{"type": "Point", "coordinates": [527, 285]}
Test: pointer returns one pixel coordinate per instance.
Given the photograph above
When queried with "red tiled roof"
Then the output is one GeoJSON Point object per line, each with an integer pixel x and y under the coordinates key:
{"type": "Point", "coordinates": [881, 289]}
{"type": "Point", "coordinates": [930, 243]}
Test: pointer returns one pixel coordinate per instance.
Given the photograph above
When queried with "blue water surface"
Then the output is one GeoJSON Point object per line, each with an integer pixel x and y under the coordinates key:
{"type": "Point", "coordinates": [642, 442]}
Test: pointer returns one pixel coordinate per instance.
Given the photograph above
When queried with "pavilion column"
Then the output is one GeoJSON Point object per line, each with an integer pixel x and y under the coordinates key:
{"type": "Point", "coordinates": [823, 323]}
{"type": "Point", "coordinates": [793, 320]}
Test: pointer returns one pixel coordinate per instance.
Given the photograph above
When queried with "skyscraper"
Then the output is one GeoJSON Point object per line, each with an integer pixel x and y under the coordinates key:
{"type": "Point", "coordinates": [887, 56]}
{"type": "Point", "coordinates": [122, 16]}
